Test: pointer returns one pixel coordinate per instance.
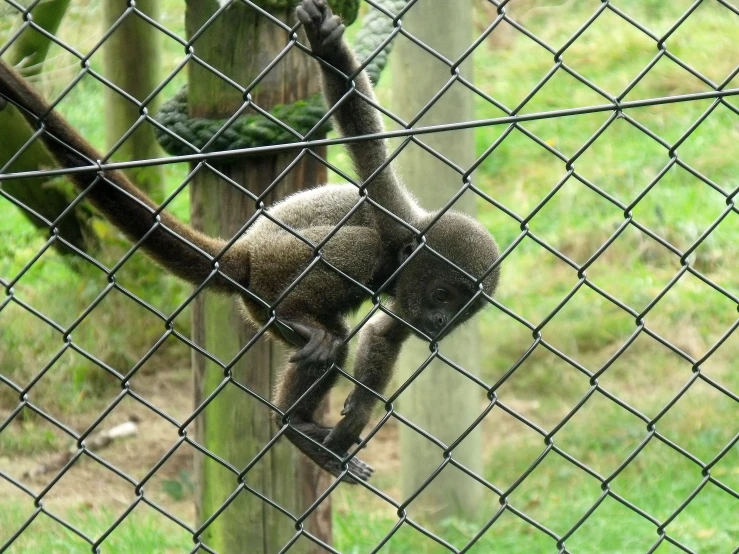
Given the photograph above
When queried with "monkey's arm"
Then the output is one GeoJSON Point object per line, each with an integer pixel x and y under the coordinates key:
{"type": "Point", "coordinates": [378, 350]}
{"type": "Point", "coordinates": [122, 203]}
{"type": "Point", "coordinates": [354, 116]}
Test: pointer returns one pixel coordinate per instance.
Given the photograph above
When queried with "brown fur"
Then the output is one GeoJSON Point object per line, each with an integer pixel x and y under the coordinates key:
{"type": "Point", "coordinates": [369, 247]}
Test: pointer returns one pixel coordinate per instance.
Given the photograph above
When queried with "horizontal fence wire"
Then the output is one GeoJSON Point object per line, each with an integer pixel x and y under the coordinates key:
{"type": "Point", "coordinates": [617, 108]}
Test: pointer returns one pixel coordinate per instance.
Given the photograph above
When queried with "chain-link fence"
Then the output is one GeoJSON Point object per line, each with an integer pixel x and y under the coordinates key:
{"type": "Point", "coordinates": [298, 139]}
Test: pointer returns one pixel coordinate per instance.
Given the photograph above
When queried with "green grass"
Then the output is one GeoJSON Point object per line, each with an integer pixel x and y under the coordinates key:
{"type": "Point", "coordinates": [576, 221]}
{"type": "Point", "coordinates": [28, 342]}
{"type": "Point", "coordinates": [557, 494]}
{"type": "Point", "coordinates": [143, 530]}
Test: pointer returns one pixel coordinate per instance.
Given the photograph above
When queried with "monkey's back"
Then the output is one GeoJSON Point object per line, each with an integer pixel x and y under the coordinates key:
{"type": "Point", "coordinates": [278, 257]}
{"type": "Point", "coordinates": [322, 206]}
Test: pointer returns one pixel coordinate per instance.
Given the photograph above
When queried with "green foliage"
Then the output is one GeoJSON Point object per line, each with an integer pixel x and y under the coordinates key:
{"type": "Point", "coordinates": [28, 438]}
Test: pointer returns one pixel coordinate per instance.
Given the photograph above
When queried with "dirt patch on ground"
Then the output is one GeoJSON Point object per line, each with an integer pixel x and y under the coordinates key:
{"type": "Point", "coordinates": [90, 485]}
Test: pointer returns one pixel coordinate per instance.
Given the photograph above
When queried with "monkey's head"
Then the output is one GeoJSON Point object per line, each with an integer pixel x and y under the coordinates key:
{"type": "Point", "coordinates": [431, 294]}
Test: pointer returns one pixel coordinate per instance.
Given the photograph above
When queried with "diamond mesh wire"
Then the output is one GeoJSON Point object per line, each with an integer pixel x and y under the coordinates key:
{"type": "Point", "coordinates": [617, 108]}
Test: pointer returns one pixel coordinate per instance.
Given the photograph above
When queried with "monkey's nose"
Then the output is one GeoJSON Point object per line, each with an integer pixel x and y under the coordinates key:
{"type": "Point", "coordinates": [439, 321]}
{"type": "Point", "coordinates": [433, 323]}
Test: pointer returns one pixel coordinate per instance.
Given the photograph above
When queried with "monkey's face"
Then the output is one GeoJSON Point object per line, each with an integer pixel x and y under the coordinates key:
{"type": "Point", "coordinates": [434, 291]}
{"type": "Point", "coordinates": [434, 300]}
{"type": "Point", "coordinates": [445, 306]}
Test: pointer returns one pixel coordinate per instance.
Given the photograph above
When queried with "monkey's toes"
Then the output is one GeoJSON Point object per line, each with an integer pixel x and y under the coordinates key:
{"type": "Point", "coordinates": [358, 470]}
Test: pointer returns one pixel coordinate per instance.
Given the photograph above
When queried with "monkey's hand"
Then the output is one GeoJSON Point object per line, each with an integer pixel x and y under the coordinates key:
{"type": "Point", "coordinates": [320, 346]}
{"type": "Point", "coordinates": [324, 29]}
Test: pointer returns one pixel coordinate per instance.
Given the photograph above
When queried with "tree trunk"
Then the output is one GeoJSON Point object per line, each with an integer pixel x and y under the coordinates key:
{"type": "Point", "coordinates": [446, 27]}
{"type": "Point", "coordinates": [45, 197]}
{"type": "Point", "coordinates": [235, 426]}
{"type": "Point", "coordinates": [132, 57]}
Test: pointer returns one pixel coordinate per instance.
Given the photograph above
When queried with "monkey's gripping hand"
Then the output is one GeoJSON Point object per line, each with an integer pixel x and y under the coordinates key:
{"type": "Point", "coordinates": [320, 346]}
{"type": "Point", "coordinates": [324, 29]}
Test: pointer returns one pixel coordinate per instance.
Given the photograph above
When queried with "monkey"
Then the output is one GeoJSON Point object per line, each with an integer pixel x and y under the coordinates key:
{"type": "Point", "coordinates": [433, 270]}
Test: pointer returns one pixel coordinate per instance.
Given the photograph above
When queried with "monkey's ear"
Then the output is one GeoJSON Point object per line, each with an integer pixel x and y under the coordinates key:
{"type": "Point", "coordinates": [408, 249]}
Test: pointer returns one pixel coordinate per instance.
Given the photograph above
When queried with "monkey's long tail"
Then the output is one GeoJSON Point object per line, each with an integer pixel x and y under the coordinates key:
{"type": "Point", "coordinates": [122, 203]}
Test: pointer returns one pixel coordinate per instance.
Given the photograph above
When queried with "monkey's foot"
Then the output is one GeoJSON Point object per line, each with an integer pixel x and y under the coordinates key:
{"type": "Point", "coordinates": [358, 470]}
{"type": "Point", "coordinates": [322, 433]}
{"type": "Point", "coordinates": [321, 348]}
{"type": "Point", "coordinates": [324, 29]}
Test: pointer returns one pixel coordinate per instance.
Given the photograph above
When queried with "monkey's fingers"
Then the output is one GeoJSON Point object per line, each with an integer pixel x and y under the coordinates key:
{"type": "Point", "coordinates": [335, 34]}
{"type": "Point", "coordinates": [321, 25]}
{"type": "Point", "coordinates": [305, 354]}
{"type": "Point", "coordinates": [314, 335]}
{"type": "Point", "coordinates": [305, 18]}
{"type": "Point", "coordinates": [326, 353]}
{"type": "Point", "coordinates": [312, 10]}
{"type": "Point", "coordinates": [311, 13]}
{"type": "Point", "coordinates": [349, 403]}
{"type": "Point", "coordinates": [321, 349]}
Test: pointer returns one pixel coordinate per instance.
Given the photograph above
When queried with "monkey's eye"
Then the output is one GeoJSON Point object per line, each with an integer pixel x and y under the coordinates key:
{"type": "Point", "coordinates": [440, 296]}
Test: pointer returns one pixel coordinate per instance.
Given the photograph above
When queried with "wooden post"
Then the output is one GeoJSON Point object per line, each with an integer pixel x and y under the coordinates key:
{"type": "Point", "coordinates": [132, 57]}
{"type": "Point", "coordinates": [236, 427]}
{"type": "Point", "coordinates": [440, 401]}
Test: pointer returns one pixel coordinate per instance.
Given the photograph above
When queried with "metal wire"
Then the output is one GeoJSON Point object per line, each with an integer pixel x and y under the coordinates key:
{"type": "Point", "coordinates": [616, 106]}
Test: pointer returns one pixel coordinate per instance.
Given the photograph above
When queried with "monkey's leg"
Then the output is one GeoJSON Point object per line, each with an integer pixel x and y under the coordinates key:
{"type": "Point", "coordinates": [295, 380]}
{"type": "Point", "coordinates": [379, 346]}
